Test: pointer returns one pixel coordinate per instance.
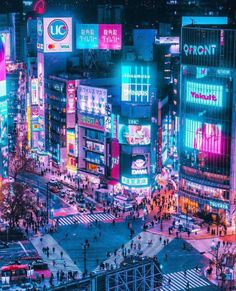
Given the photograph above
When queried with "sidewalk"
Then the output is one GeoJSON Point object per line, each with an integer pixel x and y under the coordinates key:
{"type": "Point", "coordinates": [63, 263]}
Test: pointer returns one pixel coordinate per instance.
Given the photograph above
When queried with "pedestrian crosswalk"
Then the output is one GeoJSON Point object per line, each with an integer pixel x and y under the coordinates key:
{"type": "Point", "coordinates": [183, 281]}
{"type": "Point", "coordinates": [85, 218]}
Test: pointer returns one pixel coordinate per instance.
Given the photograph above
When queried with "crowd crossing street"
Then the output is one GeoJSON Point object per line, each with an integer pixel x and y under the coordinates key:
{"type": "Point", "coordinates": [85, 218]}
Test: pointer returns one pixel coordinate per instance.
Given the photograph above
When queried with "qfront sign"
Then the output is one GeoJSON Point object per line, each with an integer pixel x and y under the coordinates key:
{"type": "Point", "coordinates": [199, 50]}
{"type": "Point", "coordinates": [57, 34]}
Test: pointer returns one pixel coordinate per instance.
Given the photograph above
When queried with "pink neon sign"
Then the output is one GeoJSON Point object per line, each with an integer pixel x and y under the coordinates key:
{"type": "Point", "coordinates": [110, 36]}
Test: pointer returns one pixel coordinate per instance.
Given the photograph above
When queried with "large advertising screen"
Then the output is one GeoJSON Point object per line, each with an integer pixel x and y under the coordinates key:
{"type": "Point", "coordinates": [136, 82]}
{"type": "Point", "coordinates": [71, 143]}
{"type": "Point", "coordinates": [140, 164]}
{"type": "Point", "coordinates": [134, 134]}
{"type": "Point", "coordinates": [203, 93]}
{"type": "Point", "coordinates": [57, 34]}
{"type": "Point", "coordinates": [92, 100]}
{"type": "Point", "coordinates": [99, 36]}
{"type": "Point", "coordinates": [204, 137]}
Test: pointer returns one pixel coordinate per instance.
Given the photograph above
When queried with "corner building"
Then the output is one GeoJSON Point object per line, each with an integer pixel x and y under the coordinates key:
{"type": "Point", "coordinates": [207, 141]}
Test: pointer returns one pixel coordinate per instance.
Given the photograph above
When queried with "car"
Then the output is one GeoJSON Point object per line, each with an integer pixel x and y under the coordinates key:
{"type": "Point", "coordinates": [59, 186]}
{"type": "Point", "coordinates": [53, 181]}
{"type": "Point", "coordinates": [71, 200]}
{"type": "Point", "coordinates": [54, 189]}
{"type": "Point", "coordinates": [81, 209]}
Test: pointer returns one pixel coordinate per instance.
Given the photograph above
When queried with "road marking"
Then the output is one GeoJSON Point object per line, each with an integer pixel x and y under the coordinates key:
{"type": "Point", "coordinates": [24, 249]}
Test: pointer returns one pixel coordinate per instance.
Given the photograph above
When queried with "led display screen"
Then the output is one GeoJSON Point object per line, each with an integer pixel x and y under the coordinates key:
{"type": "Point", "coordinates": [204, 137]}
{"type": "Point", "coordinates": [86, 36]}
{"type": "Point", "coordinates": [140, 164]}
{"type": "Point", "coordinates": [134, 134]}
{"type": "Point", "coordinates": [206, 94]}
{"type": "Point", "coordinates": [70, 141]}
{"type": "Point", "coordinates": [57, 34]}
{"type": "Point", "coordinates": [92, 100]}
{"type": "Point", "coordinates": [99, 36]}
{"type": "Point", "coordinates": [91, 121]}
{"type": "Point", "coordinates": [136, 83]}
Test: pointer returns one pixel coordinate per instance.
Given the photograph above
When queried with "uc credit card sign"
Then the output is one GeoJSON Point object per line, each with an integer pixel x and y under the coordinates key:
{"type": "Point", "coordinates": [57, 34]}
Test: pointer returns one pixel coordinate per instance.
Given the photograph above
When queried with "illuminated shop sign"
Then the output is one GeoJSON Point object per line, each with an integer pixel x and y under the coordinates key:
{"type": "Point", "coordinates": [136, 81]}
{"type": "Point", "coordinates": [140, 164]}
{"type": "Point", "coordinates": [205, 137]}
{"type": "Point", "coordinates": [219, 205]}
{"type": "Point", "coordinates": [99, 36]}
{"type": "Point", "coordinates": [92, 100]}
{"type": "Point", "coordinates": [199, 20]}
{"type": "Point", "coordinates": [115, 159]}
{"type": "Point", "coordinates": [34, 92]}
{"type": "Point", "coordinates": [57, 34]}
{"type": "Point", "coordinates": [206, 94]}
{"type": "Point", "coordinates": [91, 121]}
{"type": "Point", "coordinates": [134, 181]}
{"type": "Point", "coordinates": [199, 50]}
{"type": "Point", "coordinates": [134, 134]}
{"type": "Point", "coordinates": [71, 97]}
{"type": "Point", "coordinates": [70, 141]}
{"type": "Point", "coordinates": [95, 168]}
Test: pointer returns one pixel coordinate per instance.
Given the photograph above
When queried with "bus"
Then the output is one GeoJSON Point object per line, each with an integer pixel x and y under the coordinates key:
{"type": "Point", "coordinates": [15, 272]}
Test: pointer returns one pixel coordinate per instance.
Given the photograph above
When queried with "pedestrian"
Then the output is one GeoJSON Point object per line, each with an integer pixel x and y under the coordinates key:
{"type": "Point", "coordinates": [185, 273]}
{"type": "Point", "coordinates": [169, 281]}
{"type": "Point", "coordinates": [187, 285]}
{"type": "Point", "coordinates": [53, 249]}
{"type": "Point", "coordinates": [61, 254]}
{"type": "Point", "coordinates": [166, 257]}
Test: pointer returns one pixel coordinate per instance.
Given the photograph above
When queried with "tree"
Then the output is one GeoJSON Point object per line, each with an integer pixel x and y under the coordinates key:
{"type": "Point", "coordinates": [19, 159]}
{"type": "Point", "coordinates": [18, 204]}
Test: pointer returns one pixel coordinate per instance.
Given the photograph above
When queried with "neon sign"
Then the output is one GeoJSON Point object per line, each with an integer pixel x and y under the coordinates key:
{"type": "Point", "coordinates": [199, 50]}
{"type": "Point", "coordinates": [134, 181]}
{"type": "Point", "coordinates": [140, 164]}
{"type": "Point", "coordinates": [221, 205]}
{"type": "Point", "coordinates": [135, 83]}
{"type": "Point", "coordinates": [91, 121]}
{"type": "Point", "coordinates": [206, 94]}
{"type": "Point", "coordinates": [58, 29]}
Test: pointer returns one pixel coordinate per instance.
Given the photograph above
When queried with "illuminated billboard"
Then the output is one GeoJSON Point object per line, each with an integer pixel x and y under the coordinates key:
{"type": "Point", "coordinates": [7, 41]}
{"type": "Point", "coordinates": [201, 20]}
{"type": "Point", "coordinates": [86, 36]}
{"type": "Point", "coordinates": [204, 93]}
{"type": "Point", "coordinates": [115, 159]}
{"type": "Point", "coordinates": [70, 141]}
{"type": "Point", "coordinates": [57, 34]}
{"type": "Point", "coordinates": [99, 36]}
{"type": "Point", "coordinates": [3, 114]}
{"type": "Point", "coordinates": [134, 134]}
{"type": "Point", "coordinates": [110, 36]}
{"type": "Point", "coordinates": [92, 100]}
{"type": "Point", "coordinates": [71, 97]}
{"type": "Point", "coordinates": [134, 181]}
{"type": "Point", "coordinates": [136, 82]}
{"type": "Point", "coordinates": [34, 92]}
{"type": "Point", "coordinates": [140, 164]}
{"type": "Point", "coordinates": [91, 121]}
{"type": "Point", "coordinates": [204, 137]}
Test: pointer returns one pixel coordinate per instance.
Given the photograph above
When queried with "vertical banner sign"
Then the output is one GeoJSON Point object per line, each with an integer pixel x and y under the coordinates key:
{"type": "Point", "coordinates": [71, 98]}
{"type": "Point", "coordinates": [115, 159]}
{"type": "Point", "coordinates": [3, 115]}
{"type": "Point", "coordinates": [34, 92]}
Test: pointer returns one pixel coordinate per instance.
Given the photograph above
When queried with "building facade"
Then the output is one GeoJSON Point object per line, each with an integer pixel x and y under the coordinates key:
{"type": "Point", "coordinates": [207, 121]}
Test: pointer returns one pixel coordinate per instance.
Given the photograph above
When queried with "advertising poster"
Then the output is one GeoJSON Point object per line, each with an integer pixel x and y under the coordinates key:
{"type": "Point", "coordinates": [92, 100]}
{"type": "Point", "coordinates": [40, 34]}
{"type": "Point", "coordinates": [34, 92]}
{"type": "Point", "coordinates": [86, 36]}
{"type": "Point", "coordinates": [57, 34]}
{"type": "Point", "coordinates": [110, 36]}
{"type": "Point", "coordinates": [205, 94]}
{"type": "Point", "coordinates": [70, 140]}
{"type": "Point", "coordinates": [204, 137]}
{"type": "Point", "coordinates": [134, 134]}
{"type": "Point", "coordinates": [140, 164]}
{"type": "Point", "coordinates": [91, 121]}
{"type": "Point", "coordinates": [136, 81]}
{"type": "Point", "coordinates": [115, 159]}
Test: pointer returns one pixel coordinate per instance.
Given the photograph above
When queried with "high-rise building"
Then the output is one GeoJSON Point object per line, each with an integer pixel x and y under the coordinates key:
{"type": "Point", "coordinates": [207, 121]}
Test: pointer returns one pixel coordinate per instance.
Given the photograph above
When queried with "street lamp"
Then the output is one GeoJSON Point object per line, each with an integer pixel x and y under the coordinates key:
{"type": "Point", "coordinates": [85, 246]}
